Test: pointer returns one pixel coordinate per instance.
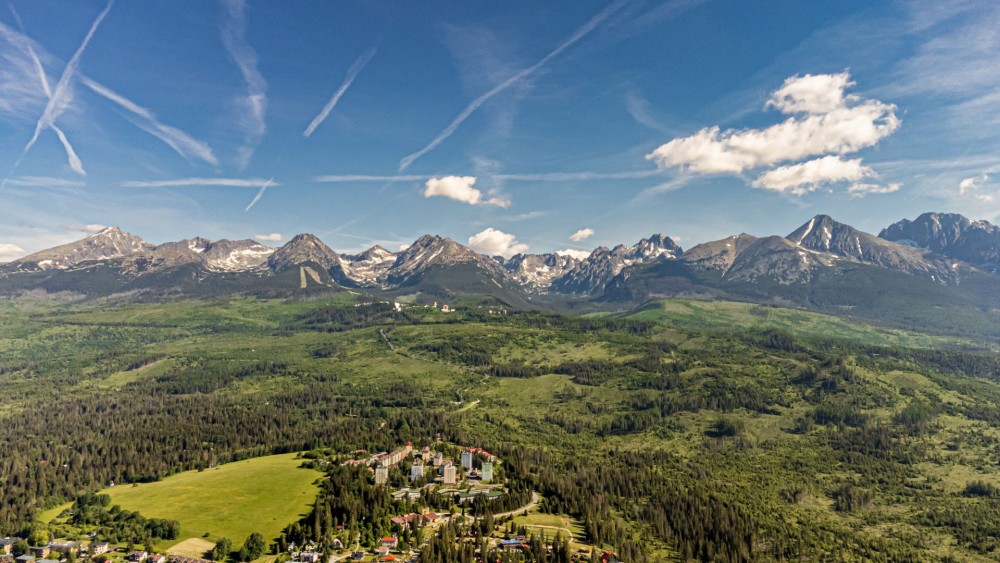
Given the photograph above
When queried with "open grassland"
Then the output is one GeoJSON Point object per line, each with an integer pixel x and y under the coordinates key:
{"type": "Point", "coordinates": [263, 495]}
{"type": "Point", "coordinates": [730, 315]}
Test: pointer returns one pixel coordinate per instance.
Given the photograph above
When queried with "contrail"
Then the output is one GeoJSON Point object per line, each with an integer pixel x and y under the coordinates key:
{"type": "Point", "coordinates": [352, 73]}
{"type": "Point", "coordinates": [182, 182]}
{"type": "Point", "coordinates": [34, 56]}
{"type": "Point", "coordinates": [182, 143]}
{"type": "Point", "coordinates": [234, 39]}
{"type": "Point", "coordinates": [259, 195]}
{"type": "Point", "coordinates": [58, 101]}
{"type": "Point", "coordinates": [472, 107]}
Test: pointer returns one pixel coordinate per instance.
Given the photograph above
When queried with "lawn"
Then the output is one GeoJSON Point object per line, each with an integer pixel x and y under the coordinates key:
{"type": "Point", "coordinates": [232, 500]}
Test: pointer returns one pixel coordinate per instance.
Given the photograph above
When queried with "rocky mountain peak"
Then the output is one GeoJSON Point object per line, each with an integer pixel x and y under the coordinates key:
{"type": "Point", "coordinates": [951, 235]}
{"type": "Point", "coordinates": [107, 244]}
{"type": "Point", "coordinates": [300, 250]}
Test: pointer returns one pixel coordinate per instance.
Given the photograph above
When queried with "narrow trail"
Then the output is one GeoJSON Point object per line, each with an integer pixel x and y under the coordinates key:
{"type": "Point", "coordinates": [381, 332]}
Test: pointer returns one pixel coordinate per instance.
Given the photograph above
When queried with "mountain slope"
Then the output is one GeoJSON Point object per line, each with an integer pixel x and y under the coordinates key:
{"type": "Point", "coordinates": [591, 275]}
{"type": "Point", "coordinates": [951, 235]}
{"type": "Point", "coordinates": [823, 234]}
{"type": "Point", "coordinates": [107, 244]}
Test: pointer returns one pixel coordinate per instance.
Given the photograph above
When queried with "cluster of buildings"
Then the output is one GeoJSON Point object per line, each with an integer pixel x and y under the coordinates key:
{"type": "Point", "coordinates": [54, 551]}
{"type": "Point", "coordinates": [426, 460]}
{"type": "Point", "coordinates": [421, 519]}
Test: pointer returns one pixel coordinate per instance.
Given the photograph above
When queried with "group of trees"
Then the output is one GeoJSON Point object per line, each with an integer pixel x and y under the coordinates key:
{"type": "Point", "coordinates": [111, 523]}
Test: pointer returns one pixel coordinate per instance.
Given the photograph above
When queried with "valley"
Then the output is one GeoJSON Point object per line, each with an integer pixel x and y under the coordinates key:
{"type": "Point", "coordinates": [788, 433]}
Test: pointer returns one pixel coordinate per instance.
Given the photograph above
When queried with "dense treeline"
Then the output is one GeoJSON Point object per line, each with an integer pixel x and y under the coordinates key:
{"type": "Point", "coordinates": [124, 438]}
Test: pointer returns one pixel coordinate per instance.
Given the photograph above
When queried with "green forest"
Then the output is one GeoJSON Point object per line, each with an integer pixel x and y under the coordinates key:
{"type": "Point", "coordinates": [665, 437]}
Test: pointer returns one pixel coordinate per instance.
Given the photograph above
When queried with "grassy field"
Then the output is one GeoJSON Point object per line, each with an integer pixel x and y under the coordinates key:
{"type": "Point", "coordinates": [728, 315]}
{"type": "Point", "coordinates": [263, 495]}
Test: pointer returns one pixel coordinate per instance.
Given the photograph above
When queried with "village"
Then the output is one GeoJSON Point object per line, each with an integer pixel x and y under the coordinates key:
{"type": "Point", "coordinates": [461, 490]}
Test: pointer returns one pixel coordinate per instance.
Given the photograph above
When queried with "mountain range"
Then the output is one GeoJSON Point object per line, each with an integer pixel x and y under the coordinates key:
{"type": "Point", "coordinates": [937, 259]}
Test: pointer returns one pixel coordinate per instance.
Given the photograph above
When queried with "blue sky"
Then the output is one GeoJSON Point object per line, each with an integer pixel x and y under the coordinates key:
{"type": "Point", "coordinates": [520, 122]}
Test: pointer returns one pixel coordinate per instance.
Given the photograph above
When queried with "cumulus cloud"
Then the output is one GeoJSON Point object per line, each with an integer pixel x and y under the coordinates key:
{"type": "Point", "coordinates": [973, 187]}
{"type": "Point", "coordinates": [812, 93]}
{"type": "Point", "coordinates": [10, 252]}
{"type": "Point", "coordinates": [582, 234]}
{"type": "Point", "coordinates": [496, 243]}
{"type": "Point", "coordinates": [460, 188]}
{"type": "Point", "coordinates": [970, 184]}
{"type": "Point", "coordinates": [808, 176]}
{"type": "Point", "coordinates": [273, 237]}
{"type": "Point", "coordinates": [861, 190]}
{"type": "Point", "coordinates": [578, 254]}
{"type": "Point", "coordinates": [823, 120]}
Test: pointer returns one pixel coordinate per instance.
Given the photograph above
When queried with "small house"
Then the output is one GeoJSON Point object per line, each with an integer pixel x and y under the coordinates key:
{"type": "Point", "coordinates": [137, 557]}
{"type": "Point", "coordinates": [25, 559]}
{"type": "Point", "coordinates": [99, 548]}
{"type": "Point", "coordinates": [64, 547]}
{"type": "Point", "coordinates": [391, 543]}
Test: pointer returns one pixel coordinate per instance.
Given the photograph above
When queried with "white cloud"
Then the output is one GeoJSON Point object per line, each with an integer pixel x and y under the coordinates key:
{"type": "Point", "coordinates": [180, 182]}
{"type": "Point", "coordinates": [496, 243]}
{"type": "Point", "coordinates": [91, 228]}
{"type": "Point", "coordinates": [10, 252]}
{"type": "Point", "coordinates": [970, 184]}
{"type": "Point", "coordinates": [578, 254]}
{"type": "Point", "coordinates": [582, 234]}
{"type": "Point", "coordinates": [825, 121]}
{"type": "Point", "coordinates": [974, 187]}
{"type": "Point", "coordinates": [812, 93]}
{"type": "Point", "coordinates": [460, 188]}
{"type": "Point", "coordinates": [273, 237]}
{"type": "Point", "coordinates": [807, 176]}
{"type": "Point", "coordinates": [861, 190]}
{"type": "Point", "coordinates": [535, 177]}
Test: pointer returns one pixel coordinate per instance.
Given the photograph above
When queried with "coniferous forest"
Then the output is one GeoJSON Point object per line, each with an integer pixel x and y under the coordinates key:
{"type": "Point", "coordinates": [655, 438]}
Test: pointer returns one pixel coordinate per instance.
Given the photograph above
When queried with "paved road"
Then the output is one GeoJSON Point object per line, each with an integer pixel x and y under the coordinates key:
{"type": "Point", "coordinates": [534, 502]}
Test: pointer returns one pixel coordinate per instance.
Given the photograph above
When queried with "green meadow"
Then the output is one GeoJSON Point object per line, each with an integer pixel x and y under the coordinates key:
{"type": "Point", "coordinates": [232, 500]}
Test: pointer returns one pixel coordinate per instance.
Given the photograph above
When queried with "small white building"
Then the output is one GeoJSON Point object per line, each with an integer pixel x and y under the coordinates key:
{"type": "Point", "coordinates": [487, 473]}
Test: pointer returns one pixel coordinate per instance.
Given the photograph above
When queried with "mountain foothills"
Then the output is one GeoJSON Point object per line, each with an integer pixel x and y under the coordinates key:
{"type": "Point", "coordinates": [933, 261]}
